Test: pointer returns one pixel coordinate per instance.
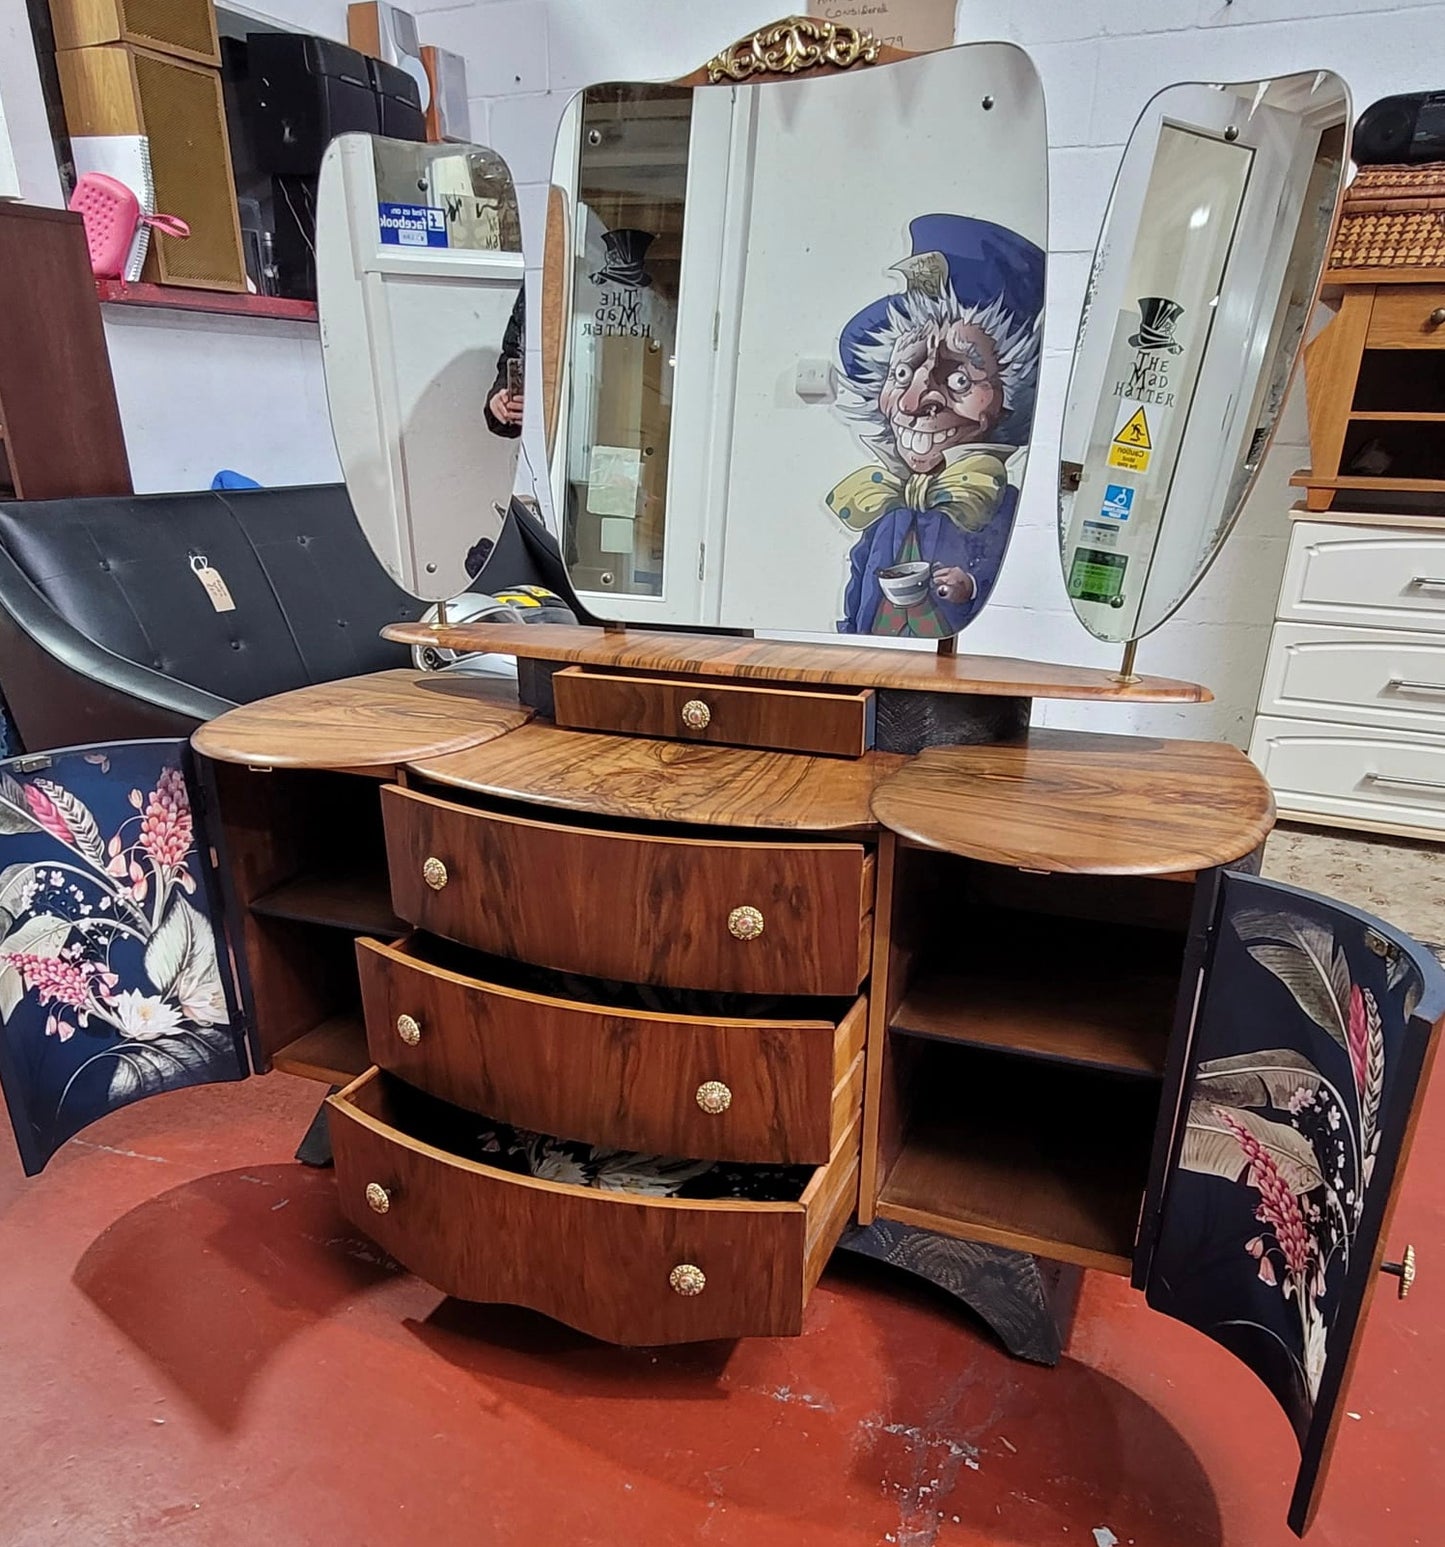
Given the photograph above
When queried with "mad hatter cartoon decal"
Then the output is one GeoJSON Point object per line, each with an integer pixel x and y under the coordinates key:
{"type": "Point", "coordinates": [942, 378]}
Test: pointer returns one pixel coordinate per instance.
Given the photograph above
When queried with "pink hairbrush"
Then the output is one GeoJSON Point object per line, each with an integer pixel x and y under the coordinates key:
{"type": "Point", "coordinates": [112, 213]}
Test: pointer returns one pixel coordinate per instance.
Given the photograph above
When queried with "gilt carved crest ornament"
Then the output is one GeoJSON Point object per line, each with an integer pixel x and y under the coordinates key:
{"type": "Point", "coordinates": [793, 46]}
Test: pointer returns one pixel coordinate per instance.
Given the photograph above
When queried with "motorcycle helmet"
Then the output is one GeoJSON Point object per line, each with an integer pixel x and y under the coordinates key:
{"type": "Point", "coordinates": [469, 607]}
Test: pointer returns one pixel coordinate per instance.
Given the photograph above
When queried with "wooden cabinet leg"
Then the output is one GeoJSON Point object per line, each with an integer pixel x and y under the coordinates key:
{"type": "Point", "coordinates": [1028, 1301]}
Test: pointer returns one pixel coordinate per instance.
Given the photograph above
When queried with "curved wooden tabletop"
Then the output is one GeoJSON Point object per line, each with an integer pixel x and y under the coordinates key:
{"type": "Point", "coordinates": [668, 781]}
{"type": "Point", "coordinates": [1080, 802]}
{"type": "Point", "coordinates": [376, 722]}
{"type": "Point", "coordinates": [775, 660]}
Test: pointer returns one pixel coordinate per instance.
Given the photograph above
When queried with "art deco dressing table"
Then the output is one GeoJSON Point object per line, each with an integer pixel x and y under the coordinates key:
{"type": "Point", "coordinates": [648, 978]}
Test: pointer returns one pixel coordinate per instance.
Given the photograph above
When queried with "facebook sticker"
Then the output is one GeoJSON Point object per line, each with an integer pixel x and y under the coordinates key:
{"type": "Point", "coordinates": [1118, 498]}
{"type": "Point", "coordinates": [412, 225]}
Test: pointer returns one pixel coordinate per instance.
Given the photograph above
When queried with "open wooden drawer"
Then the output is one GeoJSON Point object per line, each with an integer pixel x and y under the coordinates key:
{"type": "Point", "coordinates": [624, 1267]}
{"type": "Point", "coordinates": [759, 1080]}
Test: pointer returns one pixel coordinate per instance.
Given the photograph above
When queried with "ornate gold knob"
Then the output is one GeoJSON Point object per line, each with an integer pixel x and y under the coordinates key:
{"type": "Point", "coordinates": [696, 715]}
{"type": "Point", "coordinates": [745, 923]}
{"type": "Point", "coordinates": [1436, 317]}
{"type": "Point", "coordinates": [714, 1097]}
{"type": "Point", "coordinates": [687, 1279]}
{"type": "Point", "coordinates": [408, 1028]}
{"type": "Point", "coordinates": [378, 1199]}
{"type": "Point", "coordinates": [434, 873]}
{"type": "Point", "coordinates": [1404, 1270]}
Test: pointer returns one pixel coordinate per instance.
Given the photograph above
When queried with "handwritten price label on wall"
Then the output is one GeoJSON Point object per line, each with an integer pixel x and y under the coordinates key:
{"type": "Point", "coordinates": [917, 25]}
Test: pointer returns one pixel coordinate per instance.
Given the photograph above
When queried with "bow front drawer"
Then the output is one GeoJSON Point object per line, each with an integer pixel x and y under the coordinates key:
{"type": "Point", "coordinates": [734, 1088]}
{"type": "Point", "coordinates": [761, 918]}
{"type": "Point", "coordinates": [624, 1266]}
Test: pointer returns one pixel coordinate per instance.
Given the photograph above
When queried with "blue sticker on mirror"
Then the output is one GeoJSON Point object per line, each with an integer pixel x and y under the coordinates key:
{"type": "Point", "coordinates": [1118, 501]}
{"type": "Point", "coordinates": [411, 225]}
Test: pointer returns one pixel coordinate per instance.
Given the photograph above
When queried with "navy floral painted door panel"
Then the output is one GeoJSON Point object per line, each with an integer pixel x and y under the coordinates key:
{"type": "Point", "coordinates": [112, 983]}
{"type": "Point", "coordinates": [1304, 1070]}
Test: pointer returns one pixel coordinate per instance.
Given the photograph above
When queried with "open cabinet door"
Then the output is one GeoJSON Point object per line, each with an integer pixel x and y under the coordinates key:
{"type": "Point", "coordinates": [114, 982]}
{"type": "Point", "coordinates": [1311, 1044]}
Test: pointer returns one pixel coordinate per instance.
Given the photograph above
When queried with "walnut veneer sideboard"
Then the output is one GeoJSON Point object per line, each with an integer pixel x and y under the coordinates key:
{"type": "Point", "coordinates": [648, 981]}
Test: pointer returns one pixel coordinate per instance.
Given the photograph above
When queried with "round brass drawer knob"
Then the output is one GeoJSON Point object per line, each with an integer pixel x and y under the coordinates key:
{"type": "Point", "coordinates": [714, 1097]}
{"type": "Point", "coordinates": [408, 1028]}
{"type": "Point", "coordinates": [696, 715]}
{"type": "Point", "coordinates": [378, 1199]}
{"type": "Point", "coordinates": [434, 873]}
{"type": "Point", "coordinates": [1404, 1270]}
{"type": "Point", "coordinates": [745, 923]}
{"type": "Point", "coordinates": [687, 1279]}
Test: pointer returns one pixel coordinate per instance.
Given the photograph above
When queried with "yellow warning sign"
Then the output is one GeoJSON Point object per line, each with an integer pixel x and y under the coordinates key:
{"type": "Point", "coordinates": [1132, 445]}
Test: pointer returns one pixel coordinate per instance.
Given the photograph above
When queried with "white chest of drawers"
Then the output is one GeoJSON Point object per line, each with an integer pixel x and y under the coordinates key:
{"type": "Point", "coordinates": [1351, 722]}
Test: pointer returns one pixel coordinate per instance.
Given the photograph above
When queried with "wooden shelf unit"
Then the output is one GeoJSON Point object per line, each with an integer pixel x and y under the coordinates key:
{"type": "Point", "coordinates": [359, 902]}
{"type": "Point", "coordinates": [1017, 1153]}
{"type": "Point", "coordinates": [334, 1051]}
{"type": "Point", "coordinates": [222, 303]}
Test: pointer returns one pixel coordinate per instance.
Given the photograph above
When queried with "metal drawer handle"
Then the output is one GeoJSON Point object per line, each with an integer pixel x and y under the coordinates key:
{"type": "Point", "coordinates": [1398, 684]}
{"type": "Point", "coordinates": [1404, 783]}
{"type": "Point", "coordinates": [1427, 582]}
{"type": "Point", "coordinates": [378, 1199]}
{"type": "Point", "coordinates": [687, 1279]}
{"type": "Point", "coordinates": [434, 873]}
{"type": "Point", "coordinates": [745, 923]}
{"type": "Point", "coordinates": [1436, 317]}
{"type": "Point", "coordinates": [408, 1028]}
{"type": "Point", "coordinates": [696, 715]}
{"type": "Point", "coordinates": [1404, 1270]}
{"type": "Point", "coordinates": [714, 1097]}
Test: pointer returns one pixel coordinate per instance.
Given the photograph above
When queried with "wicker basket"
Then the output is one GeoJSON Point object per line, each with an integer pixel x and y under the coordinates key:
{"type": "Point", "coordinates": [1392, 217]}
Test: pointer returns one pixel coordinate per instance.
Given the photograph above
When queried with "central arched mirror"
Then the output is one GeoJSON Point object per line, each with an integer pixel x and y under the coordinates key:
{"type": "Point", "coordinates": [1200, 294]}
{"type": "Point", "coordinates": [800, 300]}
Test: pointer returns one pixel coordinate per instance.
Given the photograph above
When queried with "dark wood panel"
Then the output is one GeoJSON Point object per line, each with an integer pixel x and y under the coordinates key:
{"type": "Point", "coordinates": [728, 714]}
{"type": "Point", "coordinates": [613, 1076]}
{"type": "Point", "coordinates": [598, 1261]}
{"type": "Point", "coordinates": [57, 399]}
{"type": "Point", "coordinates": [663, 781]}
{"type": "Point", "coordinates": [377, 722]}
{"type": "Point", "coordinates": [1013, 1153]}
{"type": "Point", "coordinates": [631, 907]}
{"type": "Point", "coordinates": [763, 660]}
{"type": "Point", "coordinates": [359, 901]}
{"type": "Point", "coordinates": [334, 1052]}
{"type": "Point", "coordinates": [1081, 802]}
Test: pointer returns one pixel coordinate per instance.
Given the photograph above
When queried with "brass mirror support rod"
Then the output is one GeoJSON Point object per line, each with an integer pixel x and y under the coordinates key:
{"type": "Point", "coordinates": [1127, 673]}
{"type": "Point", "coordinates": [441, 618]}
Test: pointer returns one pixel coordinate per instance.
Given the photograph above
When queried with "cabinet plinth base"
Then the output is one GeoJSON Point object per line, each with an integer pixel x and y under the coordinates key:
{"type": "Point", "coordinates": [1028, 1301]}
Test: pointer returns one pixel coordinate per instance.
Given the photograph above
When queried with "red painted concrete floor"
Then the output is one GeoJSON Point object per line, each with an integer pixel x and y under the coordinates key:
{"type": "Point", "coordinates": [195, 1348]}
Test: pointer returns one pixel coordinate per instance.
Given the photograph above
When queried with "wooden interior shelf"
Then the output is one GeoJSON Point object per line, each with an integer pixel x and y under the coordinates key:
{"type": "Point", "coordinates": [1020, 1154]}
{"type": "Point", "coordinates": [333, 1052]}
{"type": "Point", "coordinates": [1061, 1017]}
{"type": "Point", "coordinates": [359, 902]}
{"type": "Point", "coordinates": [116, 292]}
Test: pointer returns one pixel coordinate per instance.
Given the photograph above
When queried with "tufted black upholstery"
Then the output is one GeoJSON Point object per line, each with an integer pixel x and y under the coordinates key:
{"type": "Point", "coordinates": [106, 633]}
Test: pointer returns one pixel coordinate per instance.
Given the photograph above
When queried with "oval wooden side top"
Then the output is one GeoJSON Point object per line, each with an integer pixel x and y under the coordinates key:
{"type": "Point", "coordinates": [776, 660]}
{"type": "Point", "coordinates": [376, 722]}
{"type": "Point", "coordinates": [668, 781]}
{"type": "Point", "coordinates": [1084, 803]}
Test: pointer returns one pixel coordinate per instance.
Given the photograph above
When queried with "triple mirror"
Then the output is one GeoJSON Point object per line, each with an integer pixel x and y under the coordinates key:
{"type": "Point", "coordinates": [796, 310]}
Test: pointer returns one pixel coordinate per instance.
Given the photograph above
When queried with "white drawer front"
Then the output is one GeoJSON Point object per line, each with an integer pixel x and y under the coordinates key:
{"type": "Point", "coordinates": [1348, 771]}
{"type": "Point", "coordinates": [1363, 575]}
{"type": "Point", "coordinates": [1383, 677]}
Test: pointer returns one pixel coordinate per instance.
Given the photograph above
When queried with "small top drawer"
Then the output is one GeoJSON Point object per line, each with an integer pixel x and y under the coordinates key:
{"type": "Point", "coordinates": [1407, 317]}
{"type": "Point", "coordinates": [1366, 576]}
{"type": "Point", "coordinates": [726, 713]}
{"type": "Point", "coordinates": [758, 918]}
